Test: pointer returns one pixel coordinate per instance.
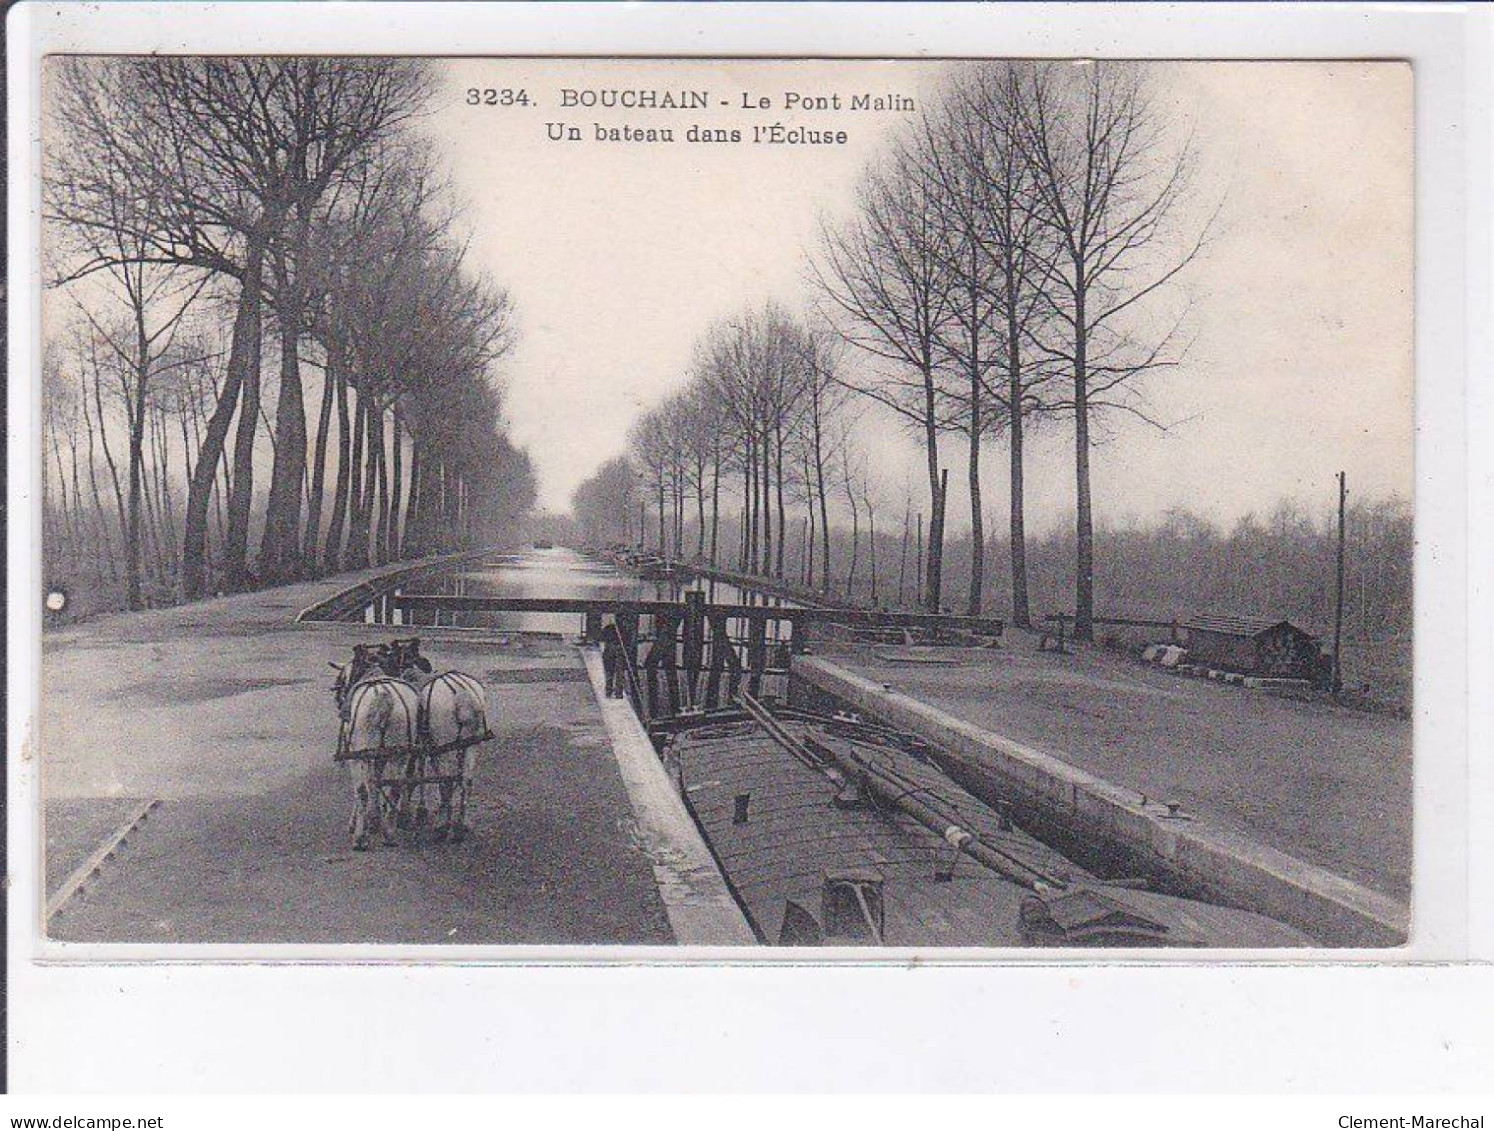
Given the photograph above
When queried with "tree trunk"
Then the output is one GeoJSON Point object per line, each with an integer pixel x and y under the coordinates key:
{"type": "Point", "coordinates": [902, 561]}
{"type": "Point", "coordinates": [119, 503]}
{"type": "Point", "coordinates": [280, 546]}
{"type": "Point", "coordinates": [355, 556]}
{"type": "Point", "coordinates": [216, 495]}
{"type": "Point", "coordinates": [380, 465]}
{"type": "Point", "coordinates": [150, 542]}
{"type": "Point", "coordinates": [766, 481]}
{"type": "Point", "coordinates": [413, 537]}
{"type": "Point", "coordinates": [450, 508]}
{"type": "Point", "coordinates": [753, 514]}
{"type": "Point", "coordinates": [397, 483]}
{"type": "Point", "coordinates": [168, 505]}
{"type": "Point", "coordinates": [855, 547]}
{"type": "Point", "coordinates": [70, 549]}
{"type": "Point", "coordinates": [807, 573]}
{"type": "Point", "coordinates": [463, 513]}
{"type": "Point", "coordinates": [977, 517]}
{"type": "Point", "coordinates": [136, 421]}
{"type": "Point", "coordinates": [782, 515]}
{"type": "Point", "coordinates": [104, 544]}
{"type": "Point", "coordinates": [933, 574]}
{"type": "Point", "coordinates": [1084, 599]}
{"type": "Point", "coordinates": [809, 510]}
{"type": "Point", "coordinates": [819, 473]}
{"type": "Point", "coordinates": [77, 523]}
{"type": "Point", "coordinates": [332, 553]}
{"type": "Point", "coordinates": [190, 443]}
{"type": "Point", "coordinates": [1021, 615]}
{"type": "Point", "coordinates": [312, 548]}
{"type": "Point", "coordinates": [247, 356]}
{"type": "Point", "coordinates": [165, 524]}
{"type": "Point", "coordinates": [679, 514]}
{"type": "Point", "coordinates": [715, 499]}
{"type": "Point", "coordinates": [918, 558]}
{"type": "Point", "coordinates": [700, 530]}
{"type": "Point", "coordinates": [663, 550]}
{"type": "Point", "coordinates": [741, 549]}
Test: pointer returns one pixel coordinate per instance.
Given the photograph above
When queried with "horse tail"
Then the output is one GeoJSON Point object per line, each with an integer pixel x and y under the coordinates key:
{"type": "Point", "coordinates": [383, 712]}
{"type": "Point", "coordinates": [464, 702]}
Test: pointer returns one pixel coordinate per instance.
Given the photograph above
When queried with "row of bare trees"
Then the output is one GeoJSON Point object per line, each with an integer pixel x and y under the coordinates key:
{"type": "Point", "coordinates": [761, 425]}
{"type": "Point", "coordinates": [200, 212]}
{"type": "Point", "coordinates": [1002, 269]}
{"type": "Point", "coordinates": [1007, 265]}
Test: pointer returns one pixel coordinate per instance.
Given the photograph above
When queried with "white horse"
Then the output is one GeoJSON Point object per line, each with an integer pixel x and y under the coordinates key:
{"type": "Point", "coordinates": [379, 713]}
{"type": "Point", "coordinates": [453, 722]}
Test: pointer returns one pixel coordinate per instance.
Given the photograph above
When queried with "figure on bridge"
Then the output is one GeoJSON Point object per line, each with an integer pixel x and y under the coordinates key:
{"type": "Point", "coordinates": [614, 665]}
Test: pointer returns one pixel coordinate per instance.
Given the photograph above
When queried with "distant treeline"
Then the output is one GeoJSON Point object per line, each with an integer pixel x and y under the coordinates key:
{"type": "Point", "coordinates": [1278, 564]}
{"type": "Point", "coordinates": [1282, 563]}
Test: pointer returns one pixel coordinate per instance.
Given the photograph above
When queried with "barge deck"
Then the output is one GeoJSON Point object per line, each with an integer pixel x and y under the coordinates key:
{"type": "Point", "coordinates": [833, 832]}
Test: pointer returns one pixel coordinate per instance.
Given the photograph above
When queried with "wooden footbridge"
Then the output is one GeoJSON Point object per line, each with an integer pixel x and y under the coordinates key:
{"type": "Point", "coordinates": [691, 654]}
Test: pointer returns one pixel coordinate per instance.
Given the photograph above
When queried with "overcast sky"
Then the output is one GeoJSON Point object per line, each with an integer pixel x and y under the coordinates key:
{"type": "Point", "coordinates": [619, 255]}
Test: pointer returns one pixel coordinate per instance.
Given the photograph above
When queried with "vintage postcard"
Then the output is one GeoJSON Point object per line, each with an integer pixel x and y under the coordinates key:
{"type": "Point", "coordinates": [853, 506]}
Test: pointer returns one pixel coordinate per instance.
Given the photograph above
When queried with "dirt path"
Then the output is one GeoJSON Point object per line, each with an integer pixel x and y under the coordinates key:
{"type": "Point", "coordinates": [222, 710]}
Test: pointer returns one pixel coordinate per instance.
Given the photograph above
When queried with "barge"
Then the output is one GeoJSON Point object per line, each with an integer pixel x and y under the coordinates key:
{"type": "Point", "coordinates": [831, 831]}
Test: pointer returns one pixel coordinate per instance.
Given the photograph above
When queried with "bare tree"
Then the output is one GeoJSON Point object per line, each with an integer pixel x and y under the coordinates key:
{"type": "Point", "coordinates": [603, 505]}
{"type": "Point", "coordinates": [853, 474]}
{"type": "Point", "coordinates": [139, 344]}
{"type": "Point", "coordinates": [227, 151]}
{"type": "Point", "coordinates": [966, 254]}
{"type": "Point", "coordinates": [823, 396]}
{"type": "Point", "coordinates": [418, 370]}
{"type": "Point", "coordinates": [60, 408]}
{"type": "Point", "coordinates": [650, 447]}
{"type": "Point", "coordinates": [744, 362]}
{"type": "Point", "coordinates": [1108, 186]}
{"type": "Point", "coordinates": [883, 277]}
{"type": "Point", "coordinates": [1001, 256]}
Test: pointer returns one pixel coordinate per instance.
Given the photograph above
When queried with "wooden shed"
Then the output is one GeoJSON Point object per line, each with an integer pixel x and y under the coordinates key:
{"type": "Point", "coordinates": [1260, 646]}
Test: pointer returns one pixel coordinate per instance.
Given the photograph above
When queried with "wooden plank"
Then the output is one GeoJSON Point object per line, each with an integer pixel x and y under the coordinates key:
{"type": "Point", "coordinates": [794, 834]}
{"type": "Point", "coordinates": [693, 644]}
{"type": "Point", "coordinates": [85, 871]}
{"type": "Point", "coordinates": [757, 653]}
{"type": "Point", "coordinates": [721, 647]}
{"type": "Point", "coordinates": [856, 618]}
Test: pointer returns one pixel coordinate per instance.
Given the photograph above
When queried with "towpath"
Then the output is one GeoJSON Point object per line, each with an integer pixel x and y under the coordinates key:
{"type": "Point", "coordinates": [221, 709]}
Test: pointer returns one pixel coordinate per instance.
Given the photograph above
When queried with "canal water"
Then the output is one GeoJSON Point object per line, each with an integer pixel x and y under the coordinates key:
{"type": "Point", "coordinates": [563, 573]}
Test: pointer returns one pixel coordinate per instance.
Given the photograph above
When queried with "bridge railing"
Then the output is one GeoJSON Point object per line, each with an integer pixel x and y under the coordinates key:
{"type": "Point", "coordinates": [693, 658]}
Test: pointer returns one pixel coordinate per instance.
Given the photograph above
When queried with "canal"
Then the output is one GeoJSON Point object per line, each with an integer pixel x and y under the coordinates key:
{"type": "Point", "coordinates": [562, 573]}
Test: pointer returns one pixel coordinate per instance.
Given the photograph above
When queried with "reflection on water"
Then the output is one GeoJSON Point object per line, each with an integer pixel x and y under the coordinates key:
{"type": "Point", "coordinates": [564, 573]}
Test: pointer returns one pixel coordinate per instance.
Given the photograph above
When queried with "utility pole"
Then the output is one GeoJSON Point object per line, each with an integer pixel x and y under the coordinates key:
{"type": "Point", "coordinates": [1338, 610]}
